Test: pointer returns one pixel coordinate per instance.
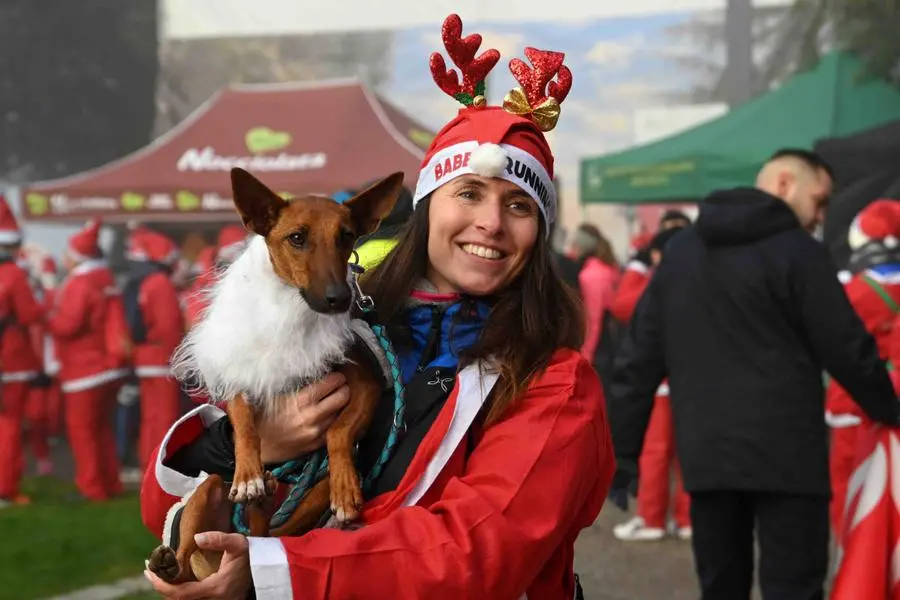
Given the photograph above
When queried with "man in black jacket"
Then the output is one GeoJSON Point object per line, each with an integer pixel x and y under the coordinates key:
{"type": "Point", "coordinates": [742, 315]}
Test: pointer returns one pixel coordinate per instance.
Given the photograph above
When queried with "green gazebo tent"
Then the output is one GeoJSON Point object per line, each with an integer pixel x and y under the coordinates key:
{"type": "Point", "coordinates": [827, 101]}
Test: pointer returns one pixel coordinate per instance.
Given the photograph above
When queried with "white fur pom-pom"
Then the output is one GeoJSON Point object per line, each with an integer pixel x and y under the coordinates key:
{"type": "Point", "coordinates": [488, 160]}
{"type": "Point", "coordinates": [856, 239]}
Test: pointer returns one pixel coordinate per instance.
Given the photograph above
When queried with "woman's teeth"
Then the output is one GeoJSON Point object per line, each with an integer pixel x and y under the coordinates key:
{"type": "Point", "coordinates": [482, 251]}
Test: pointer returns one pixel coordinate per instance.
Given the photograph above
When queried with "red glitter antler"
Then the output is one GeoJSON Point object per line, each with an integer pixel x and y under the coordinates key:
{"type": "Point", "coordinates": [539, 97]}
{"type": "Point", "coordinates": [534, 81]}
{"type": "Point", "coordinates": [462, 52]}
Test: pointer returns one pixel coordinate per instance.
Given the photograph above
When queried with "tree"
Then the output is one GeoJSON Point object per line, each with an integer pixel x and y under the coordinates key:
{"type": "Point", "coordinates": [194, 69]}
{"type": "Point", "coordinates": [76, 84]}
{"type": "Point", "coordinates": [788, 40]}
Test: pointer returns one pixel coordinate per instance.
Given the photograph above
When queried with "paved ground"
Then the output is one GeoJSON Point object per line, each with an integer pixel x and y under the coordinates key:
{"type": "Point", "coordinates": [614, 570]}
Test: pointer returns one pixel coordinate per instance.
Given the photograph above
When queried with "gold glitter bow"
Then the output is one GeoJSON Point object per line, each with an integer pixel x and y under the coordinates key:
{"type": "Point", "coordinates": [545, 115]}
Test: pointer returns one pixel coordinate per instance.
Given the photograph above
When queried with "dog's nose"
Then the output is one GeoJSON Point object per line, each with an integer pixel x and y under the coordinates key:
{"type": "Point", "coordinates": [337, 295]}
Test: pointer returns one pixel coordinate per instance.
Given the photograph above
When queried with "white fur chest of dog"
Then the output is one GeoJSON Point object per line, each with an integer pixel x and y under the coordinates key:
{"type": "Point", "coordinates": [259, 337]}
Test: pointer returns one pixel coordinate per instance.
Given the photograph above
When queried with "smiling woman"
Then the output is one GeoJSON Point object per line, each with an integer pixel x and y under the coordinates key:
{"type": "Point", "coordinates": [483, 232]}
{"type": "Point", "coordinates": [505, 453]}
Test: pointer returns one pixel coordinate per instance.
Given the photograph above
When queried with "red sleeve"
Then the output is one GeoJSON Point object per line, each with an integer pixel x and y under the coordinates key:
{"type": "Point", "coordinates": [595, 285]}
{"type": "Point", "coordinates": [162, 311]}
{"type": "Point", "coordinates": [25, 307]}
{"type": "Point", "coordinates": [633, 284]}
{"type": "Point", "coordinates": [69, 313]}
{"type": "Point", "coordinates": [532, 482]}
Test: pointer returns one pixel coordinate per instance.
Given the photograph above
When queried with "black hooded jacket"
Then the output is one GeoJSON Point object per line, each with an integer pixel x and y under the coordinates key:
{"type": "Point", "coordinates": [743, 315]}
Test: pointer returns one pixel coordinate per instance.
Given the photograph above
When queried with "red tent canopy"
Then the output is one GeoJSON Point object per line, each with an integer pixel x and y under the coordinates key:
{"type": "Point", "coordinates": [297, 138]}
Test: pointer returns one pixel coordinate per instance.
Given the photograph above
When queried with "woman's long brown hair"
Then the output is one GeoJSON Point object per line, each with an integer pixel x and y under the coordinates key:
{"type": "Point", "coordinates": [531, 319]}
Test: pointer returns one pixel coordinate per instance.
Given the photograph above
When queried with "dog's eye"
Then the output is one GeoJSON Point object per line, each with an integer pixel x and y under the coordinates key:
{"type": "Point", "coordinates": [347, 237]}
{"type": "Point", "coordinates": [298, 239]}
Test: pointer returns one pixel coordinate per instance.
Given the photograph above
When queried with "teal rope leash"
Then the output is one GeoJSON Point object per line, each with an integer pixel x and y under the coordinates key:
{"type": "Point", "coordinates": [303, 474]}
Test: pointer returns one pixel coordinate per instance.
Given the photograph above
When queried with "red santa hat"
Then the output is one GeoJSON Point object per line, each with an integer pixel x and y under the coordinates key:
{"type": "Point", "coordinates": [84, 244]}
{"type": "Point", "coordinates": [879, 221]}
{"type": "Point", "coordinates": [10, 233]}
{"type": "Point", "coordinates": [147, 245]}
{"type": "Point", "coordinates": [493, 141]}
{"type": "Point", "coordinates": [230, 243]}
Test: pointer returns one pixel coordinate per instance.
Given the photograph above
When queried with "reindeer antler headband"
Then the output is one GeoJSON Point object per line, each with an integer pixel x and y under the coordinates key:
{"type": "Point", "coordinates": [538, 98]}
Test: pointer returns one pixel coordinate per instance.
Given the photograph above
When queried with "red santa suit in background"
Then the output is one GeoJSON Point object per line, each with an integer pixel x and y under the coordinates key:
{"type": "Point", "coordinates": [90, 374]}
{"type": "Point", "coordinates": [42, 410]}
{"type": "Point", "coordinates": [159, 332]}
{"type": "Point", "coordinates": [49, 280]}
{"type": "Point", "coordinates": [18, 311]}
{"type": "Point", "coordinates": [231, 242]}
{"type": "Point", "coordinates": [657, 460]}
{"type": "Point", "coordinates": [875, 294]}
{"type": "Point", "coordinates": [201, 273]}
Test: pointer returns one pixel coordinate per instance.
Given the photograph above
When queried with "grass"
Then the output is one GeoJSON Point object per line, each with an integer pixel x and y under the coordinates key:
{"type": "Point", "coordinates": [57, 545]}
{"type": "Point", "coordinates": [142, 596]}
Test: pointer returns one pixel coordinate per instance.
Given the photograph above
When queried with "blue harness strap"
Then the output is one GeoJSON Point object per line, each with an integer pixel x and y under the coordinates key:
{"type": "Point", "coordinates": [303, 474]}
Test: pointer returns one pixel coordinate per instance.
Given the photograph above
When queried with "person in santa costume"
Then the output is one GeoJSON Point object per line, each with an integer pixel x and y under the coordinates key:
{"type": "Point", "coordinates": [506, 454]}
{"type": "Point", "coordinates": [19, 310]}
{"type": "Point", "coordinates": [875, 295]}
{"type": "Point", "coordinates": [43, 411]}
{"type": "Point", "coordinates": [657, 462]}
{"type": "Point", "coordinates": [85, 310]}
{"type": "Point", "coordinates": [157, 327]}
{"type": "Point", "coordinates": [231, 242]}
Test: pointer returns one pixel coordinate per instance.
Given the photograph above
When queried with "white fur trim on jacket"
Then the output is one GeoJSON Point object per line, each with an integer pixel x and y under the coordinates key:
{"type": "Point", "coordinates": [18, 376]}
{"type": "Point", "coordinates": [171, 481]}
{"type": "Point", "coordinates": [841, 421]}
{"type": "Point", "coordinates": [638, 266]}
{"type": "Point", "coordinates": [270, 569]}
{"type": "Point", "coordinates": [91, 381]}
{"type": "Point", "coordinates": [153, 371]}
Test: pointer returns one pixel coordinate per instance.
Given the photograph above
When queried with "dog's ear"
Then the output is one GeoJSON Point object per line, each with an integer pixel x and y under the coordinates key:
{"type": "Point", "coordinates": [374, 203]}
{"type": "Point", "coordinates": [257, 205]}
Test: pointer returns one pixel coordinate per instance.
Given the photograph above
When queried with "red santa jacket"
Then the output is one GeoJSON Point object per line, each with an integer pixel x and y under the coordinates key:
{"type": "Point", "coordinates": [164, 325]}
{"type": "Point", "coordinates": [632, 284]}
{"type": "Point", "coordinates": [875, 294]}
{"type": "Point", "coordinates": [78, 323]}
{"type": "Point", "coordinates": [20, 310]}
{"type": "Point", "coordinates": [498, 523]}
{"type": "Point", "coordinates": [195, 299]}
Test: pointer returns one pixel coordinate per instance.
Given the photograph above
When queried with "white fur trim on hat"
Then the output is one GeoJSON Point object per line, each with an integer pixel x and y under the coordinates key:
{"type": "Point", "coordinates": [856, 239]}
{"type": "Point", "coordinates": [520, 168]}
{"type": "Point", "coordinates": [10, 237]}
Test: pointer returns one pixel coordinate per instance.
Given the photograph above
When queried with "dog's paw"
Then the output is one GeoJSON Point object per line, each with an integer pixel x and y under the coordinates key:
{"type": "Point", "coordinates": [164, 564]}
{"type": "Point", "coordinates": [248, 486]}
{"type": "Point", "coordinates": [346, 494]}
{"type": "Point", "coordinates": [271, 483]}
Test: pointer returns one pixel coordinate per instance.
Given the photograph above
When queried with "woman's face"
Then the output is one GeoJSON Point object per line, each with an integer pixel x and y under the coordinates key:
{"type": "Point", "coordinates": [480, 234]}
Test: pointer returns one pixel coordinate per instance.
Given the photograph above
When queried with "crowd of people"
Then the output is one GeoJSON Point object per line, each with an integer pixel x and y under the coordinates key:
{"type": "Point", "coordinates": [85, 354]}
{"type": "Point", "coordinates": [526, 409]}
{"type": "Point", "coordinates": [738, 325]}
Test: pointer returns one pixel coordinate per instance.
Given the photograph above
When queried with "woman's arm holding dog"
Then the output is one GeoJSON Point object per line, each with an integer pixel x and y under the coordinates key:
{"type": "Point", "coordinates": [201, 441]}
{"type": "Point", "coordinates": [535, 478]}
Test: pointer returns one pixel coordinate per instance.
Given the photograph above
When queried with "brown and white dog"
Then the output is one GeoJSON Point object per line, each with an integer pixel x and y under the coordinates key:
{"type": "Point", "coordinates": [279, 318]}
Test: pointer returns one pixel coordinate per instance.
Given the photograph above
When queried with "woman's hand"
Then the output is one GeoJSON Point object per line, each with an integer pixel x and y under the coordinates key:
{"type": "Point", "coordinates": [231, 582]}
{"type": "Point", "coordinates": [300, 428]}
